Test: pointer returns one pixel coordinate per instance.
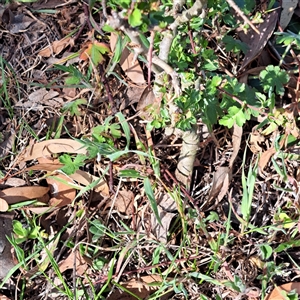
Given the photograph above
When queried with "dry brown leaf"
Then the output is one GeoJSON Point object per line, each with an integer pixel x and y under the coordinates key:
{"type": "Point", "coordinates": [236, 143]}
{"type": "Point", "coordinates": [13, 182]}
{"type": "Point", "coordinates": [3, 205]}
{"type": "Point", "coordinates": [131, 68]}
{"type": "Point", "coordinates": [62, 193]}
{"type": "Point", "coordinates": [165, 208]}
{"type": "Point", "coordinates": [222, 176]}
{"type": "Point", "coordinates": [257, 42]}
{"type": "Point", "coordinates": [288, 8]}
{"type": "Point", "coordinates": [122, 255]}
{"type": "Point", "coordinates": [16, 23]}
{"type": "Point", "coordinates": [85, 179]}
{"type": "Point", "coordinates": [19, 194]}
{"type": "Point", "coordinates": [41, 210]}
{"type": "Point", "coordinates": [138, 286]}
{"type": "Point", "coordinates": [40, 98]}
{"type": "Point", "coordinates": [2, 297]}
{"type": "Point", "coordinates": [225, 186]}
{"type": "Point", "coordinates": [7, 144]}
{"type": "Point", "coordinates": [56, 47]}
{"type": "Point", "coordinates": [45, 167]}
{"type": "Point", "coordinates": [133, 95]}
{"type": "Point", "coordinates": [124, 202]}
{"type": "Point", "coordinates": [218, 181]}
{"type": "Point", "coordinates": [49, 147]}
{"type": "Point", "coordinates": [74, 258]}
{"type": "Point", "coordinates": [148, 104]}
{"type": "Point", "coordinates": [255, 139]}
{"type": "Point", "coordinates": [79, 176]}
{"type": "Point", "coordinates": [277, 293]}
{"type": "Point", "coordinates": [69, 93]}
{"type": "Point", "coordinates": [265, 157]}
{"type": "Point", "coordinates": [6, 259]}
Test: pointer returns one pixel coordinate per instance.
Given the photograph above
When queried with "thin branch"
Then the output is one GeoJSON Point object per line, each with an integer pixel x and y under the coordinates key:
{"type": "Point", "coordinates": [150, 58]}
{"type": "Point", "coordinates": [242, 15]}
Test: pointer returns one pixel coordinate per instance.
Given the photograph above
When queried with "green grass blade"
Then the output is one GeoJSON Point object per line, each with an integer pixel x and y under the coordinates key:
{"type": "Point", "coordinates": [151, 197]}
{"type": "Point", "coordinates": [125, 127]}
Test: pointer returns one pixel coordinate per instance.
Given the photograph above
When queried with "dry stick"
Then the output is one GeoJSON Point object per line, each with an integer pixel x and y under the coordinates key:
{"type": "Point", "coordinates": [104, 11]}
{"type": "Point", "coordinates": [150, 58]}
{"type": "Point", "coordinates": [86, 13]}
{"type": "Point", "coordinates": [107, 89]}
{"type": "Point", "coordinates": [242, 15]}
{"type": "Point", "coordinates": [193, 48]}
{"type": "Point", "coordinates": [114, 111]}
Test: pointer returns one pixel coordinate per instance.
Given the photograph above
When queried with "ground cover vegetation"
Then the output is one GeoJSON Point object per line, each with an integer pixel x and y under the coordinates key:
{"type": "Point", "coordinates": [149, 149]}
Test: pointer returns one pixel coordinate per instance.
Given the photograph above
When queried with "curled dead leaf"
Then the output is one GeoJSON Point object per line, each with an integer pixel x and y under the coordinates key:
{"type": "Point", "coordinates": [131, 68]}
{"type": "Point", "coordinates": [3, 205]}
{"type": "Point", "coordinates": [76, 259]}
{"type": "Point", "coordinates": [257, 42]}
{"type": "Point", "coordinates": [256, 138]}
{"type": "Point", "coordinates": [49, 147]}
{"type": "Point", "coordinates": [62, 193]}
{"type": "Point", "coordinates": [138, 286]}
{"type": "Point", "coordinates": [7, 261]}
{"type": "Point", "coordinates": [279, 291]}
{"type": "Point", "coordinates": [85, 179]}
{"type": "Point", "coordinates": [124, 202]}
{"type": "Point", "coordinates": [56, 47]}
{"type": "Point", "coordinates": [19, 194]}
{"type": "Point", "coordinates": [265, 157]}
{"type": "Point", "coordinates": [166, 210]}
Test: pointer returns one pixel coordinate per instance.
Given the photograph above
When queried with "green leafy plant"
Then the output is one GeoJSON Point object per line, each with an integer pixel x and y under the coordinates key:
{"type": "Point", "coordinates": [75, 77]}
{"type": "Point", "coordinates": [102, 132]}
{"type": "Point", "coordinates": [73, 106]}
{"type": "Point", "coordinates": [25, 232]}
{"type": "Point", "coordinates": [248, 189]}
{"type": "Point", "coordinates": [72, 165]}
{"type": "Point", "coordinates": [95, 51]}
{"type": "Point", "coordinates": [273, 79]}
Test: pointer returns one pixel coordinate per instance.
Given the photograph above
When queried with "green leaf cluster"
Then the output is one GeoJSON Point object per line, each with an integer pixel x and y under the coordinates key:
{"type": "Point", "coordinates": [71, 165]}
{"type": "Point", "coordinates": [273, 79]}
{"type": "Point", "coordinates": [23, 233]}
{"type": "Point", "coordinates": [73, 106]}
{"type": "Point", "coordinates": [107, 131]}
{"type": "Point", "coordinates": [75, 77]}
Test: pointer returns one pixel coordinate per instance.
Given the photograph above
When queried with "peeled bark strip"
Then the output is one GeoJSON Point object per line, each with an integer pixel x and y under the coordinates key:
{"type": "Point", "coordinates": [190, 146]}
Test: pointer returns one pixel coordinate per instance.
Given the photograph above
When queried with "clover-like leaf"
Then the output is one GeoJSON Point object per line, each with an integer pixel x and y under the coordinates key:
{"type": "Point", "coordinates": [72, 106]}
{"type": "Point", "coordinates": [135, 18]}
{"type": "Point", "coordinates": [235, 115]}
{"type": "Point", "coordinates": [234, 45]}
{"type": "Point", "coordinates": [71, 166]}
{"type": "Point", "coordinates": [273, 78]}
{"type": "Point", "coordinates": [95, 51]}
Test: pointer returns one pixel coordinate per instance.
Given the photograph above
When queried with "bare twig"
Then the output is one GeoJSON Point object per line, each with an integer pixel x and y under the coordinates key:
{"type": "Point", "coordinates": [242, 15]}
{"type": "Point", "coordinates": [107, 89]}
{"type": "Point", "coordinates": [103, 4]}
{"type": "Point", "coordinates": [150, 57]}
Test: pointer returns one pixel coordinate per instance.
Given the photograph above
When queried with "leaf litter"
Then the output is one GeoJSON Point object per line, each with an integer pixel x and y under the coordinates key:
{"type": "Point", "coordinates": [131, 241]}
